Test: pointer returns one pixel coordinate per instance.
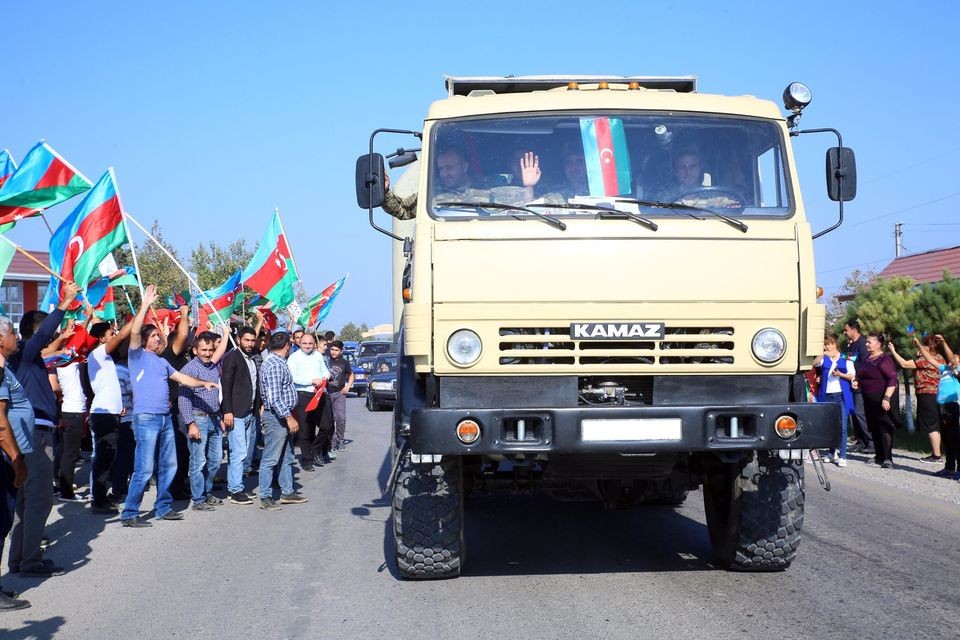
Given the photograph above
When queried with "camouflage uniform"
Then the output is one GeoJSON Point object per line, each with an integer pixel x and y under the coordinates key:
{"type": "Point", "coordinates": [400, 208]}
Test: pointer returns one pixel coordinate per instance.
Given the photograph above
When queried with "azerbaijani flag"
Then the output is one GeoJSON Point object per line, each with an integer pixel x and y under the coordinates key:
{"type": "Point", "coordinates": [106, 309]}
{"type": "Point", "coordinates": [224, 298]}
{"type": "Point", "coordinates": [88, 235]}
{"type": "Point", "coordinates": [319, 305]}
{"type": "Point", "coordinates": [7, 166]}
{"type": "Point", "coordinates": [271, 272]}
{"type": "Point", "coordinates": [606, 155]}
{"type": "Point", "coordinates": [102, 287]}
{"type": "Point", "coordinates": [42, 180]}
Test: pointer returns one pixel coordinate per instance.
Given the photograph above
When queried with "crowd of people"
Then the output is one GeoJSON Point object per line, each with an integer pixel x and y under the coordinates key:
{"type": "Point", "coordinates": [864, 381]}
{"type": "Point", "coordinates": [160, 404]}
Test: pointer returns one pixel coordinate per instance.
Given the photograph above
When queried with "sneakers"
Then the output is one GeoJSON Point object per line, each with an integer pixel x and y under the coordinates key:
{"type": "Point", "coordinates": [887, 464]}
{"type": "Point", "coordinates": [240, 497]}
{"type": "Point", "coordinates": [945, 473]}
{"type": "Point", "coordinates": [201, 506]}
{"type": "Point", "coordinates": [332, 454]}
{"type": "Point", "coordinates": [214, 500]}
{"type": "Point", "coordinates": [269, 504]}
{"type": "Point", "coordinates": [171, 515]}
{"type": "Point", "coordinates": [932, 459]}
{"type": "Point", "coordinates": [841, 462]}
{"type": "Point", "coordinates": [136, 523]}
{"type": "Point", "coordinates": [307, 466]}
{"type": "Point", "coordinates": [292, 498]}
{"type": "Point", "coordinates": [72, 498]}
{"type": "Point", "coordinates": [8, 603]}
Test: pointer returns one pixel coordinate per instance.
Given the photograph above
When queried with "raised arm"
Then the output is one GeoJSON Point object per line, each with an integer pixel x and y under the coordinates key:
{"type": "Point", "coordinates": [149, 297]}
{"type": "Point", "coordinates": [929, 357]}
{"type": "Point", "coordinates": [118, 338]}
{"type": "Point", "coordinates": [179, 342]}
{"type": "Point", "coordinates": [951, 358]}
{"type": "Point", "coordinates": [904, 364]}
{"type": "Point", "coordinates": [221, 349]}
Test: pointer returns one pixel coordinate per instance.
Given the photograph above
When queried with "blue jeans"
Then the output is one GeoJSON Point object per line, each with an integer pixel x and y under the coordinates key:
{"type": "Point", "coordinates": [277, 451]}
{"type": "Point", "coordinates": [238, 453]}
{"type": "Point", "coordinates": [252, 425]}
{"type": "Point", "coordinates": [154, 435]}
{"type": "Point", "coordinates": [205, 456]}
{"type": "Point", "coordinates": [838, 398]}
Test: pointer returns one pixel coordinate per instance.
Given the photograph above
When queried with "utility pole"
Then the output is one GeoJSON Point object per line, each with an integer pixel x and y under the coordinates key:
{"type": "Point", "coordinates": [898, 237]}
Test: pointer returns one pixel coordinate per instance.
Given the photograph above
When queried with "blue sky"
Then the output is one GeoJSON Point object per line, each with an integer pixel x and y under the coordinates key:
{"type": "Point", "coordinates": [214, 113]}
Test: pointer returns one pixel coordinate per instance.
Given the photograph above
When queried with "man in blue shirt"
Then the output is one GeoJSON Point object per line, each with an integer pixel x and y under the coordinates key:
{"type": "Point", "coordinates": [153, 424]}
{"type": "Point", "coordinates": [35, 499]}
{"type": "Point", "coordinates": [279, 425]}
{"type": "Point", "coordinates": [15, 415]}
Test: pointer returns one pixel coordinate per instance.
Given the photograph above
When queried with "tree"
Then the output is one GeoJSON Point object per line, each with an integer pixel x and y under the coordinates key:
{"type": "Point", "coordinates": [155, 268]}
{"type": "Point", "coordinates": [855, 283]}
{"type": "Point", "coordinates": [936, 309]}
{"type": "Point", "coordinates": [350, 331]}
{"type": "Point", "coordinates": [886, 306]}
{"type": "Point", "coordinates": [214, 264]}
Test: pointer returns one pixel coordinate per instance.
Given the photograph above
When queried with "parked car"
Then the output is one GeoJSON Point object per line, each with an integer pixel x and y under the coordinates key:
{"type": "Point", "coordinates": [368, 351]}
{"type": "Point", "coordinates": [359, 375]}
{"type": "Point", "coordinates": [382, 392]}
{"type": "Point", "coordinates": [350, 346]}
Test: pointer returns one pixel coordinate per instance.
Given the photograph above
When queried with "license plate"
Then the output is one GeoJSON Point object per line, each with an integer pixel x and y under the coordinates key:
{"type": "Point", "coordinates": [637, 430]}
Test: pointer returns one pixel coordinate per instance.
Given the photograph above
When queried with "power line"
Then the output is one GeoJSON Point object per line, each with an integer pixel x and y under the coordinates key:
{"type": "Point", "coordinates": [851, 266]}
{"type": "Point", "coordinates": [902, 169]}
{"type": "Point", "coordinates": [893, 213]}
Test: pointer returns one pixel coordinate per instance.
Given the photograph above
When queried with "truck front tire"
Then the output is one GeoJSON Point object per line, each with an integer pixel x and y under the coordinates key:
{"type": "Point", "coordinates": [428, 519]}
{"type": "Point", "coordinates": [754, 512]}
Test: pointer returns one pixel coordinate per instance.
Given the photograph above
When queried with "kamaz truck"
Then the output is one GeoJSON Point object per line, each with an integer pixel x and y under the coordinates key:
{"type": "Point", "coordinates": [607, 290]}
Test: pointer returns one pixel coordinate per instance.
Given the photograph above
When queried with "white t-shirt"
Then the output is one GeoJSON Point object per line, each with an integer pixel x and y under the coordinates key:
{"type": "Point", "coordinates": [833, 382]}
{"type": "Point", "coordinates": [104, 381]}
{"type": "Point", "coordinates": [73, 399]}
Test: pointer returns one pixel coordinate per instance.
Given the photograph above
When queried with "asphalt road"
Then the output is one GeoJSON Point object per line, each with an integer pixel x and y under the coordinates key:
{"type": "Point", "coordinates": [877, 561]}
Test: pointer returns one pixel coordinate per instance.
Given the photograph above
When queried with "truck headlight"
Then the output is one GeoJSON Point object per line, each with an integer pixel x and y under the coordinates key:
{"type": "Point", "coordinates": [464, 347]}
{"type": "Point", "coordinates": [769, 345]}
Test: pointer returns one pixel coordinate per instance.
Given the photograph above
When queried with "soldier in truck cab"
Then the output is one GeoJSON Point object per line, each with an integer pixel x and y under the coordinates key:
{"type": "Point", "coordinates": [454, 173]}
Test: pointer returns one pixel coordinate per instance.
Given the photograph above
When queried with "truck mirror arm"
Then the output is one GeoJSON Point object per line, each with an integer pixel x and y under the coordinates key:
{"type": "Point", "coordinates": [840, 173]}
{"type": "Point", "coordinates": [372, 175]}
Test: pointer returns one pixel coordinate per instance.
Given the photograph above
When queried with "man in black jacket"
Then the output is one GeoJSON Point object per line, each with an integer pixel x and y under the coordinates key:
{"type": "Point", "coordinates": [240, 407]}
{"type": "Point", "coordinates": [35, 498]}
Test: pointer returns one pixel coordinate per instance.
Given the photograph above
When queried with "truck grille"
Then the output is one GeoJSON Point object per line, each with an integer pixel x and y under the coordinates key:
{"type": "Point", "coordinates": [553, 345]}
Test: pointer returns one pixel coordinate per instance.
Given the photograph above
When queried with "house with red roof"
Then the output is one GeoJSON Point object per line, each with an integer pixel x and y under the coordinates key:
{"type": "Point", "coordinates": [24, 285]}
{"type": "Point", "coordinates": [926, 267]}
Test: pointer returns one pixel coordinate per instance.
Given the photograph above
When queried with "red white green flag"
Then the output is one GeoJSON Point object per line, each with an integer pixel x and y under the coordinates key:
{"type": "Point", "coordinates": [318, 307]}
{"type": "Point", "coordinates": [606, 155]}
{"type": "Point", "coordinates": [42, 180]}
{"type": "Point", "coordinates": [7, 166]}
{"type": "Point", "coordinates": [271, 272]}
{"type": "Point", "coordinates": [224, 299]}
{"type": "Point", "coordinates": [87, 236]}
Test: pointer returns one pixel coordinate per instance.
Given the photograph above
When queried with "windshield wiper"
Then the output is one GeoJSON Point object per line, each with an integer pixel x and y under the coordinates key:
{"type": "Point", "coordinates": [502, 207]}
{"type": "Point", "coordinates": [650, 224]}
{"type": "Point", "coordinates": [686, 208]}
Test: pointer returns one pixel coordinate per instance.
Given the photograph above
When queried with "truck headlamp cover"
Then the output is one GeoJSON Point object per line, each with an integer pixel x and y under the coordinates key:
{"type": "Point", "coordinates": [769, 345]}
{"type": "Point", "coordinates": [464, 347]}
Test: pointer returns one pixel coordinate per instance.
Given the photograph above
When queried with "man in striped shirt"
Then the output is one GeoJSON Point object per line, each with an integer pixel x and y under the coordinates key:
{"type": "Point", "coordinates": [279, 425]}
{"type": "Point", "coordinates": [200, 412]}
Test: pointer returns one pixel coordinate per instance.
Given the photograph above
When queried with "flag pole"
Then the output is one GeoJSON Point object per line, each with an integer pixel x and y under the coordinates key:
{"type": "Point", "coordinates": [203, 295]}
{"type": "Point", "coordinates": [33, 259]}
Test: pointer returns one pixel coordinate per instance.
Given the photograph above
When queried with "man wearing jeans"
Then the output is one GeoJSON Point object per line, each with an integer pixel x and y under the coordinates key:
{"type": "Point", "coordinates": [35, 499]}
{"type": "Point", "coordinates": [152, 423]}
{"type": "Point", "coordinates": [279, 398]}
{"type": "Point", "coordinates": [341, 380]}
{"type": "Point", "coordinates": [200, 412]}
{"type": "Point", "coordinates": [240, 406]}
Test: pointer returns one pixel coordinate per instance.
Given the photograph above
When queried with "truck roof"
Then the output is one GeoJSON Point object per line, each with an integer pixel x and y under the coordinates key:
{"type": "Point", "coordinates": [476, 96]}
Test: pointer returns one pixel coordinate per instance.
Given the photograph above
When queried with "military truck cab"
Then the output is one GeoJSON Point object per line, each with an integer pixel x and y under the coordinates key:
{"type": "Point", "coordinates": [608, 287]}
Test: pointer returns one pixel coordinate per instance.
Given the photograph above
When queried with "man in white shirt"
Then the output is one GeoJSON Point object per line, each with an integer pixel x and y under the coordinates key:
{"type": "Point", "coordinates": [73, 406]}
{"type": "Point", "coordinates": [309, 371]}
{"type": "Point", "coordinates": [105, 410]}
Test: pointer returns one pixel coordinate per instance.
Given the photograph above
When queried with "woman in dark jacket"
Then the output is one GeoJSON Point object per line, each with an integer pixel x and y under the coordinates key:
{"type": "Point", "coordinates": [877, 377]}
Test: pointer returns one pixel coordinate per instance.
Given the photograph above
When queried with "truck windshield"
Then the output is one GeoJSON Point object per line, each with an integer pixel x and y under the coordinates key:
{"type": "Point", "coordinates": [633, 163]}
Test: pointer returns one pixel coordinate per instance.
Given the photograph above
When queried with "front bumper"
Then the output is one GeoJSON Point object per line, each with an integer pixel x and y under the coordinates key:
{"type": "Point", "coordinates": [560, 430]}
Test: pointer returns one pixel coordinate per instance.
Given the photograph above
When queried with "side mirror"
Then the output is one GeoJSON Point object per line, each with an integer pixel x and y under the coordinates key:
{"type": "Point", "coordinates": [370, 181]}
{"type": "Point", "coordinates": [841, 174]}
{"type": "Point", "coordinates": [402, 158]}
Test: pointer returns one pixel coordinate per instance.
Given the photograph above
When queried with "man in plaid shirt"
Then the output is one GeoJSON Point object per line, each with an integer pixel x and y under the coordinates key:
{"type": "Point", "coordinates": [200, 413]}
{"type": "Point", "coordinates": [279, 398]}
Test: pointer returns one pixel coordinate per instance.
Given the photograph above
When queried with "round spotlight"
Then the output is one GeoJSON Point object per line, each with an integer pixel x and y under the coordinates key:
{"type": "Point", "coordinates": [796, 97]}
{"type": "Point", "coordinates": [769, 345]}
{"type": "Point", "coordinates": [464, 347]}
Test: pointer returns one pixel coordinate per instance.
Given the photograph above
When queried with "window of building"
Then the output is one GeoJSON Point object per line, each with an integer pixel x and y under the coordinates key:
{"type": "Point", "coordinates": [11, 298]}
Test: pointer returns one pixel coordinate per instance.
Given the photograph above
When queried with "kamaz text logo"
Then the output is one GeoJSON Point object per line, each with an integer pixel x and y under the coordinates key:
{"type": "Point", "coordinates": [616, 330]}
